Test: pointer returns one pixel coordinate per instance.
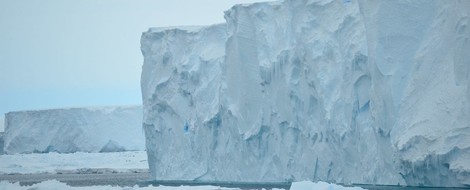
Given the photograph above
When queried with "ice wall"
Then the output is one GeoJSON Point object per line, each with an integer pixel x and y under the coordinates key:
{"type": "Point", "coordinates": [419, 52]}
{"type": "Point", "coordinates": [341, 91]}
{"type": "Point", "coordinates": [1, 142]}
{"type": "Point", "coordinates": [100, 129]}
{"type": "Point", "coordinates": [2, 123]}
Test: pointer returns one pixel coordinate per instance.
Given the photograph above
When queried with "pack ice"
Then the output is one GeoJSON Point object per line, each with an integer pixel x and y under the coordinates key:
{"type": "Point", "coordinates": [99, 129]}
{"type": "Point", "coordinates": [339, 91]}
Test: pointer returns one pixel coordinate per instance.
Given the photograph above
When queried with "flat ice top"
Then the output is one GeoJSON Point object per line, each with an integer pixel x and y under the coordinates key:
{"type": "Point", "coordinates": [73, 163]}
{"type": "Point", "coordinates": [268, 2]}
{"type": "Point", "coordinates": [91, 108]}
{"type": "Point", "coordinates": [186, 28]}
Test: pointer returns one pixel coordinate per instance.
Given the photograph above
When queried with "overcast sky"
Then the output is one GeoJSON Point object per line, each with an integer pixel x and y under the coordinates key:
{"type": "Point", "coordinates": [75, 53]}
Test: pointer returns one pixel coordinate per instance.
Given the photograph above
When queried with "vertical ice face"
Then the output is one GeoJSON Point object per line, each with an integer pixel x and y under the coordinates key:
{"type": "Point", "coordinates": [297, 88]}
{"type": "Point", "coordinates": [103, 129]}
{"type": "Point", "coordinates": [342, 91]}
{"type": "Point", "coordinates": [421, 74]}
{"type": "Point", "coordinates": [1, 142]}
{"type": "Point", "coordinates": [434, 123]}
{"type": "Point", "coordinates": [181, 85]}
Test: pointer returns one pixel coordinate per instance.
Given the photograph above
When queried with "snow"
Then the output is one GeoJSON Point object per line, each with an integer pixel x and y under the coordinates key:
{"type": "Point", "coordinates": [308, 185]}
{"type": "Point", "coordinates": [54, 184]}
{"type": "Point", "coordinates": [340, 91]}
{"type": "Point", "coordinates": [185, 28]}
{"type": "Point", "coordinates": [94, 129]}
{"type": "Point", "coordinates": [79, 162]}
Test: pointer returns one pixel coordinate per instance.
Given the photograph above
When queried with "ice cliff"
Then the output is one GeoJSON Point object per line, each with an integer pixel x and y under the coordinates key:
{"type": "Point", "coordinates": [340, 91]}
{"type": "Point", "coordinates": [100, 129]}
{"type": "Point", "coordinates": [1, 143]}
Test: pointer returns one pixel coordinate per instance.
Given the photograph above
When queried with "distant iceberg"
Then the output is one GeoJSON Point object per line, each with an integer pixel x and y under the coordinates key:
{"type": "Point", "coordinates": [98, 129]}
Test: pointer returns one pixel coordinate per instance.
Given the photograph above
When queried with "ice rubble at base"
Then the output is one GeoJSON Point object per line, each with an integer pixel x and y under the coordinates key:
{"type": "Point", "coordinates": [54, 184]}
{"type": "Point", "coordinates": [308, 185]}
{"type": "Point", "coordinates": [97, 129]}
{"type": "Point", "coordinates": [57, 185]}
{"type": "Point", "coordinates": [340, 91]}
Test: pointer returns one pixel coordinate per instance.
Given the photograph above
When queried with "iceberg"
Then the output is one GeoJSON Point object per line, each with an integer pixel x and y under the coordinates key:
{"type": "Point", "coordinates": [319, 90]}
{"type": "Point", "coordinates": [97, 129]}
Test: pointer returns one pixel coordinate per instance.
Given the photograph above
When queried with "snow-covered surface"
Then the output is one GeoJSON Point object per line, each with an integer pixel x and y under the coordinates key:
{"type": "Point", "coordinates": [185, 28]}
{"type": "Point", "coordinates": [308, 185]}
{"type": "Point", "coordinates": [57, 185]}
{"type": "Point", "coordinates": [79, 162]}
{"type": "Point", "coordinates": [96, 129]}
{"type": "Point", "coordinates": [53, 185]}
{"type": "Point", "coordinates": [342, 91]}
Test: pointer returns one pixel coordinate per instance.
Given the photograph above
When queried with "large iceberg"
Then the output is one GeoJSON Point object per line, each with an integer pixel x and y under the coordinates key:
{"type": "Point", "coordinates": [340, 91]}
{"type": "Point", "coordinates": [99, 129]}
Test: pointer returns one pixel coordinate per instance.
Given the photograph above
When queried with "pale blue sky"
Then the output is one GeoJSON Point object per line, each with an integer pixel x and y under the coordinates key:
{"type": "Point", "coordinates": [74, 53]}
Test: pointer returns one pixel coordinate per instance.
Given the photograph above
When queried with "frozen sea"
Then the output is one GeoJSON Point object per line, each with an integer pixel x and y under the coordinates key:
{"type": "Point", "coordinates": [124, 170]}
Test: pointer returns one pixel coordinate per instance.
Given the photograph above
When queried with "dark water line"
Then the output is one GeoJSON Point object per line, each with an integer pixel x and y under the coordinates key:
{"type": "Point", "coordinates": [227, 184]}
{"type": "Point", "coordinates": [144, 180]}
{"type": "Point", "coordinates": [282, 185]}
{"type": "Point", "coordinates": [385, 187]}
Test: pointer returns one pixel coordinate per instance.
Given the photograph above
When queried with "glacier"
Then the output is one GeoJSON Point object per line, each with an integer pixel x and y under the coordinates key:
{"type": "Point", "coordinates": [374, 92]}
{"type": "Point", "coordinates": [88, 129]}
